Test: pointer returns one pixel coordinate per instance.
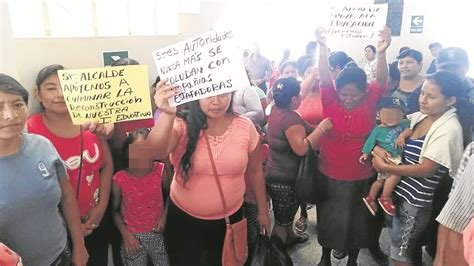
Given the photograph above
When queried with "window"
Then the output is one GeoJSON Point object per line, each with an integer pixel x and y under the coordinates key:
{"type": "Point", "coordinates": [81, 18]}
{"type": "Point", "coordinates": [112, 17]}
{"type": "Point", "coordinates": [142, 19]}
{"type": "Point", "coordinates": [27, 22]}
{"type": "Point", "coordinates": [70, 18]}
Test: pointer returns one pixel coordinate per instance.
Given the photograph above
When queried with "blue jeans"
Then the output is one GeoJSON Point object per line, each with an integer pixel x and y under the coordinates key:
{"type": "Point", "coordinates": [408, 226]}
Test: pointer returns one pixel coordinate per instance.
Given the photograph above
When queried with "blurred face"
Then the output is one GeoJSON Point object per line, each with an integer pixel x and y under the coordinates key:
{"type": "Point", "coordinates": [432, 102]}
{"type": "Point", "coordinates": [289, 72]}
{"type": "Point", "coordinates": [435, 51]}
{"type": "Point", "coordinates": [139, 154]}
{"type": "Point", "coordinates": [408, 67]}
{"type": "Point", "coordinates": [13, 114]}
{"type": "Point", "coordinates": [350, 96]}
{"type": "Point", "coordinates": [215, 106]}
{"type": "Point", "coordinates": [390, 117]}
{"type": "Point", "coordinates": [369, 54]}
{"type": "Point", "coordinates": [295, 102]}
{"type": "Point", "coordinates": [51, 96]}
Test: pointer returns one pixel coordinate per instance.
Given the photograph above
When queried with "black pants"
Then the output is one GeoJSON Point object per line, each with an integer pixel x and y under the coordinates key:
{"type": "Point", "coordinates": [65, 258]}
{"type": "Point", "coordinates": [97, 243]}
{"type": "Point", "coordinates": [440, 198]}
{"type": "Point", "coordinates": [193, 241]}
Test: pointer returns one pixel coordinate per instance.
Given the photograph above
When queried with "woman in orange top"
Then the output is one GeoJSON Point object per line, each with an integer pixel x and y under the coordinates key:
{"type": "Point", "coordinates": [195, 224]}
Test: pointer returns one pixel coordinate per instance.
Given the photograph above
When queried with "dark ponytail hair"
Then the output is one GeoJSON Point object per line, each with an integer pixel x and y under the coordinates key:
{"type": "Point", "coordinates": [451, 86]}
{"type": "Point", "coordinates": [196, 120]}
{"type": "Point", "coordinates": [45, 72]}
{"type": "Point", "coordinates": [352, 74]}
{"type": "Point", "coordinates": [283, 90]}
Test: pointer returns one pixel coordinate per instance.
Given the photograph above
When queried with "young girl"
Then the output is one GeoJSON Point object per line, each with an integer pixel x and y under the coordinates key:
{"type": "Point", "coordinates": [138, 210]}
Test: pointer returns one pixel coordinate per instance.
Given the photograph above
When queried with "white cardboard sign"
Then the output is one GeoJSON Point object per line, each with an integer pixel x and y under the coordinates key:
{"type": "Point", "coordinates": [207, 65]}
{"type": "Point", "coordinates": [357, 21]}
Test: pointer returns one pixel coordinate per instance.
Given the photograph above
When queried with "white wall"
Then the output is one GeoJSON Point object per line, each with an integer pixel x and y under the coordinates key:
{"type": "Point", "coordinates": [445, 22]}
{"type": "Point", "coordinates": [7, 44]}
{"type": "Point", "coordinates": [34, 53]}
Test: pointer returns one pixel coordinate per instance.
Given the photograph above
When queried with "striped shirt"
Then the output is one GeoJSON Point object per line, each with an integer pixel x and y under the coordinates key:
{"type": "Point", "coordinates": [459, 210]}
{"type": "Point", "coordinates": [418, 191]}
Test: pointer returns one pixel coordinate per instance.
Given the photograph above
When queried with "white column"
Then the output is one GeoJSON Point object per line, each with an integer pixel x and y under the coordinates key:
{"type": "Point", "coordinates": [7, 43]}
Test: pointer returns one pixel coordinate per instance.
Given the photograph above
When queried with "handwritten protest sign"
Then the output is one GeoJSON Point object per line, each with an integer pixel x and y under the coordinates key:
{"type": "Point", "coordinates": [105, 95]}
{"type": "Point", "coordinates": [203, 66]}
{"type": "Point", "coordinates": [357, 21]}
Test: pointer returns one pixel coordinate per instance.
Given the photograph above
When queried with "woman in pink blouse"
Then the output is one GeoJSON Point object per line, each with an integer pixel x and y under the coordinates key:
{"type": "Point", "coordinates": [343, 223]}
{"type": "Point", "coordinates": [195, 224]}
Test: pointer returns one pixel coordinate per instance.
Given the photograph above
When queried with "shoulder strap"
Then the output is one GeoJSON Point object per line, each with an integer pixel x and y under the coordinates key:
{"type": "Point", "coordinates": [215, 175]}
{"type": "Point", "coordinates": [80, 165]}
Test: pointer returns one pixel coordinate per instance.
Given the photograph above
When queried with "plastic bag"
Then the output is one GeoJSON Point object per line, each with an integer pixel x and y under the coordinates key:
{"type": "Point", "coordinates": [267, 253]}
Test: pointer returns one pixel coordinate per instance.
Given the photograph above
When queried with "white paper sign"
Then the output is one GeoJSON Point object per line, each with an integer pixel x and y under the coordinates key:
{"type": "Point", "coordinates": [357, 21]}
{"type": "Point", "coordinates": [207, 65]}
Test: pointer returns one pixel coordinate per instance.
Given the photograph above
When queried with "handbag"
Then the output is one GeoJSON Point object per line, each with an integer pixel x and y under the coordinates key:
{"type": "Point", "coordinates": [234, 251]}
{"type": "Point", "coordinates": [269, 253]}
{"type": "Point", "coordinates": [307, 187]}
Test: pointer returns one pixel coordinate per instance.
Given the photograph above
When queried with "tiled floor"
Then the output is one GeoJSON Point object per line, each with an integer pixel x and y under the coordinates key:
{"type": "Point", "coordinates": [309, 253]}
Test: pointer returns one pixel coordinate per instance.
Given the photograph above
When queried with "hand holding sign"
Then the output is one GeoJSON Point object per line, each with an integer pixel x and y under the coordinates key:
{"type": "Point", "coordinates": [385, 37]}
{"type": "Point", "coordinates": [207, 65]}
{"type": "Point", "coordinates": [356, 21]}
{"type": "Point", "coordinates": [103, 131]}
{"type": "Point", "coordinates": [106, 95]}
{"type": "Point", "coordinates": [162, 95]}
{"type": "Point", "coordinates": [320, 37]}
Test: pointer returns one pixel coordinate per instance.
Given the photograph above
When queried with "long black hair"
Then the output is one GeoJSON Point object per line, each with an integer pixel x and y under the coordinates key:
{"type": "Point", "coordinates": [196, 120]}
{"type": "Point", "coordinates": [284, 90]}
{"type": "Point", "coordinates": [451, 86]}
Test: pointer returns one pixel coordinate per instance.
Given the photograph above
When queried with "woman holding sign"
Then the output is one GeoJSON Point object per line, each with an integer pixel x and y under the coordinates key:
{"type": "Point", "coordinates": [88, 159]}
{"type": "Point", "coordinates": [343, 221]}
{"type": "Point", "coordinates": [196, 226]}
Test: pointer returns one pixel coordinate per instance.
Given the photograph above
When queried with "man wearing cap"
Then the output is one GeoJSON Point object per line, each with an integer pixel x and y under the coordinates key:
{"type": "Point", "coordinates": [435, 48]}
{"type": "Point", "coordinates": [455, 60]}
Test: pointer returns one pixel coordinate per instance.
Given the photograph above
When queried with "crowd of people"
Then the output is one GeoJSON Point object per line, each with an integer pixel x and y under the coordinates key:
{"type": "Point", "coordinates": [394, 148]}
